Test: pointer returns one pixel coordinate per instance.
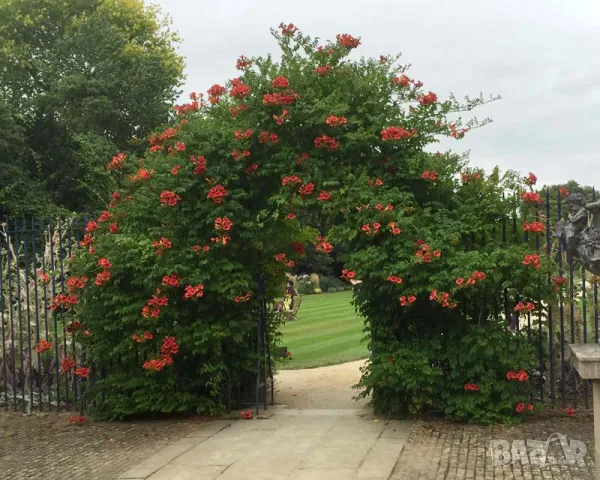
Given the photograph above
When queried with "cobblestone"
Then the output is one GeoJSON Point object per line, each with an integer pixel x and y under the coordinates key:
{"type": "Point", "coordinates": [440, 450]}
{"type": "Point", "coordinates": [47, 447]}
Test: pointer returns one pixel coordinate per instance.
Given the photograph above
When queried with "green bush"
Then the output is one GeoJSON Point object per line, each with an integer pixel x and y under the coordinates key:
{"type": "Point", "coordinates": [331, 284]}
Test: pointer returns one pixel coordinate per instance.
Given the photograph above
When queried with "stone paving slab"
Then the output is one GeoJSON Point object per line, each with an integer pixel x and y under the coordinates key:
{"type": "Point", "coordinates": [290, 445]}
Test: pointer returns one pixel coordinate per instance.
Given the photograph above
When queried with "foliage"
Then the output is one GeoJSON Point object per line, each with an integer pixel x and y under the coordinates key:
{"type": "Point", "coordinates": [219, 205]}
{"type": "Point", "coordinates": [80, 80]}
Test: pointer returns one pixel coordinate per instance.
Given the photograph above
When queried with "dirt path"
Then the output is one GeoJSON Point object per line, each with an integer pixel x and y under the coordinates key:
{"type": "Point", "coordinates": [320, 388]}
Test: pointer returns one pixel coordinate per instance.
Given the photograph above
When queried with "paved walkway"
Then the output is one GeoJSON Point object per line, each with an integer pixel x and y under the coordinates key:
{"type": "Point", "coordinates": [339, 444]}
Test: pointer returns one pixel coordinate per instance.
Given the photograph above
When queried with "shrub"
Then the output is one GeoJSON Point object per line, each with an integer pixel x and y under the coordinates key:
{"type": "Point", "coordinates": [330, 284]}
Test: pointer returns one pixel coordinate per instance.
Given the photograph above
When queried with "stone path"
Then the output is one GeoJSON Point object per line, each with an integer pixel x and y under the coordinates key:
{"type": "Point", "coordinates": [341, 444]}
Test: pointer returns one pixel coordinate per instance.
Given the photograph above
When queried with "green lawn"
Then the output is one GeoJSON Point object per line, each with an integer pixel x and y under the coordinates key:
{"type": "Point", "coordinates": [328, 332]}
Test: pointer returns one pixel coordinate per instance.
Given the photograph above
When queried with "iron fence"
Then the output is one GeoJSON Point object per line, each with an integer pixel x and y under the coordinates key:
{"type": "Point", "coordinates": [34, 267]}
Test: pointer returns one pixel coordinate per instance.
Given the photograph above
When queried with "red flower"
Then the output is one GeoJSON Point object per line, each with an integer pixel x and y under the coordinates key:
{"type": "Point", "coordinates": [293, 179]}
{"type": "Point", "coordinates": [563, 192]}
{"type": "Point", "coordinates": [327, 142]}
{"type": "Point", "coordinates": [535, 227]}
{"type": "Point", "coordinates": [91, 226]}
{"type": "Point", "coordinates": [83, 372]}
{"type": "Point", "coordinates": [403, 81]}
{"type": "Point", "coordinates": [471, 387]}
{"type": "Point", "coordinates": [334, 121]}
{"type": "Point", "coordinates": [280, 257]}
{"type": "Point", "coordinates": [298, 248]}
{"type": "Point", "coordinates": [223, 224]}
{"type": "Point", "coordinates": [113, 228]}
{"type": "Point", "coordinates": [216, 91]}
{"type": "Point", "coordinates": [242, 63]}
{"type": "Point", "coordinates": [520, 407]}
{"type": "Point", "coordinates": [169, 346]}
{"type": "Point", "coordinates": [570, 412]}
{"type": "Point", "coordinates": [531, 197]}
{"type": "Point", "coordinates": [322, 245]}
{"type": "Point", "coordinates": [200, 164]}
{"type": "Point", "coordinates": [306, 189]}
{"type": "Point", "coordinates": [280, 98]}
{"type": "Point", "coordinates": [531, 179]}
{"type": "Point", "coordinates": [239, 89]}
{"type": "Point", "coordinates": [348, 274]}
{"type": "Point", "coordinates": [104, 216]}
{"type": "Point", "coordinates": [102, 278]}
{"type": "Point", "coordinates": [67, 364]}
{"type": "Point", "coordinates": [287, 30]}
{"type": "Point", "coordinates": [460, 281]}
{"type": "Point", "coordinates": [280, 82]}
{"type": "Point", "coordinates": [73, 326]}
{"type": "Point", "coordinates": [246, 414]}
{"type": "Point", "coordinates": [291, 216]}
{"type": "Point", "coordinates": [376, 183]}
{"type": "Point", "coordinates": [322, 71]}
{"type": "Point", "coordinates": [533, 260]}
{"type": "Point", "coordinates": [396, 133]}
{"type": "Point", "coordinates": [243, 298]}
{"type": "Point", "coordinates": [530, 407]}
{"type": "Point", "coordinates": [104, 263]}
{"type": "Point", "coordinates": [223, 239]}
{"type": "Point", "coordinates": [428, 99]}
{"type": "Point", "coordinates": [76, 283]}
{"type": "Point", "coordinates": [412, 299]}
{"type": "Point", "coordinates": [169, 198]}
{"type": "Point", "coordinates": [347, 41]}
{"type": "Point", "coordinates": [142, 175]}
{"type": "Point", "coordinates": [117, 162]}
{"type": "Point", "coordinates": [394, 279]}
{"type": "Point", "coordinates": [175, 169]}
{"type": "Point", "coordinates": [43, 346]}
{"type": "Point", "coordinates": [217, 194]}
{"type": "Point", "coordinates": [403, 301]}
{"type": "Point", "coordinates": [172, 280]}
{"type": "Point", "coordinates": [161, 245]}
{"type": "Point", "coordinates": [76, 419]}
{"type": "Point", "coordinates": [193, 292]}
{"type": "Point", "coordinates": [430, 175]}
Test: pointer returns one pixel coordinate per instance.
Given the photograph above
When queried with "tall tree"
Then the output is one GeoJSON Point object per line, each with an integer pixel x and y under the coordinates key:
{"type": "Point", "coordinates": [80, 80]}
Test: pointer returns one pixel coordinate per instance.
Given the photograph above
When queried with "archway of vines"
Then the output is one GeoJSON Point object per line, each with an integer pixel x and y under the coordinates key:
{"type": "Point", "coordinates": [166, 286]}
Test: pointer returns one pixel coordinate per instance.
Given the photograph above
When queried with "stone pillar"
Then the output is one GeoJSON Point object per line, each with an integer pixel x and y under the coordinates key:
{"type": "Point", "coordinates": [585, 358]}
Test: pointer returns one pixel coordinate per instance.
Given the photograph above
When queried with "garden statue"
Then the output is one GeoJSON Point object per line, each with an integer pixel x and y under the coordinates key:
{"type": "Point", "coordinates": [579, 234]}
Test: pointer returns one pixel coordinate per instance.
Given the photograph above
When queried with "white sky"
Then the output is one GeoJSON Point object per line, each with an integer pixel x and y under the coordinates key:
{"type": "Point", "coordinates": [541, 56]}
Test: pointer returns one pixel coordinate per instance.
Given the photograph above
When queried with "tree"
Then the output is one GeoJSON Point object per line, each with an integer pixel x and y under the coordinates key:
{"type": "Point", "coordinates": [176, 270]}
{"type": "Point", "coordinates": [82, 80]}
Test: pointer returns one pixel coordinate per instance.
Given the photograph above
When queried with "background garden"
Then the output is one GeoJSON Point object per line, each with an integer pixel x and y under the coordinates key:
{"type": "Point", "coordinates": [144, 244]}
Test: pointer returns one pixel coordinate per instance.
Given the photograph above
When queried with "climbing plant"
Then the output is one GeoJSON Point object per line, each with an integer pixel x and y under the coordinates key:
{"type": "Point", "coordinates": [167, 282]}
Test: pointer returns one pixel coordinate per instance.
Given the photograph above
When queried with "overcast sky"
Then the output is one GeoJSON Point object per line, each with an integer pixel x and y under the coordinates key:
{"type": "Point", "coordinates": [541, 56]}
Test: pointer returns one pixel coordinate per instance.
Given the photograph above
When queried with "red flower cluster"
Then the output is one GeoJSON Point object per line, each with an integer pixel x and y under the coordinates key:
{"type": "Point", "coordinates": [251, 168]}
{"type": "Point", "coordinates": [322, 245]}
{"type": "Point", "coordinates": [298, 248]}
{"type": "Point", "coordinates": [91, 226]}
{"type": "Point", "coordinates": [246, 414]}
{"type": "Point", "coordinates": [83, 372]}
{"type": "Point", "coordinates": [465, 176]}
{"type": "Point", "coordinates": [403, 81]}
{"type": "Point", "coordinates": [387, 208]}
{"type": "Point", "coordinates": [243, 298]}
{"type": "Point", "coordinates": [394, 279]}
{"type": "Point", "coordinates": [168, 348]}
{"type": "Point", "coordinates": [42, 346]}
{"type": "Point", "coordinates": [348, 274]}
{"type": "Point", "coordinates": [141, 339]}
{"type": "Point", "coordinates": [429, 175]}
{"type": "Point", "coordinates": [172, 280]}
{"type": "Point", "coordinates": [217, 194]}
{"type": "Point", "coordinates": [442, 298]}
{"type": "Point", "coordinates": [322, 71]}
{"type": "Point", "coordinates": [76, 283]}
{"type": "Point", "coordinates": [223, 239]}
{"type": "Point", "coordinates": [215, 92]}
{"type": "Point", "coordinates": [559, 281]}
{"type": "Point", "coordinates": [104, 216]}
{"type": "Point", "coordinates": [193, 292]}
{"type": "Point", "coordinates": [533, 260]}
{"type": "Point", "coordinates": [64, 301]}
{"type": "Point", "coordinates": [113, 228]}
{"type": "Point", "coordinates": [156, 140]}
{"type": "Point", "coordinates": [73, 326]}
{"type": "Point", "coordinates": [281, 118]}
{"type": "Point", "coordinates": [375, 183]}
{"type": "Point", "coordinates": [162, 245]}
{"type": "Point", "coordinates": [325, 141]}
{"type": "Point", "coordinates": [424, 252]}
{"type": "Point", "coordinates": [239, 89]}
{"type": "Point", "coordinates": [43, 277]}
{"type": "Point", "coordinates": [157, 364]}
{"type": "Point", "coordinates": [169, 198]}
{"type": "Point", "coordinates": [152, 308]}
{"type": "Point", "coordinates": [268, 138]}
{"type": "Point", "coordinates": [394, 230]}
{"type": "Point", "coordinates": [471, 387]}
{"type": "Point", "coordinates": [520, 376]}
{"type": "Point", "coordinates": [347, 41]}
{"type": "Point", "coordinates": [235, 111]}
{"type": "Point", "coordinates": [243, 63]}
{"type": "Point", "coordinates": [293, 180]}
{"type": "Point", "coordinates": [535, 227]}
{"type": "Point", "coordinates": [117, 162]}
{"type": "Point", "coordinates": [302, 158]}
{"type": "Point", "coordinates": [324, 196]}
{"type": "Point", "coordinates": [239, 135]}
{"type": "Point", "coordinates": [198, 248]}
{"type": "Point", "coordinates": [570, 412]}
{"type": "Point", "coordinates": [67, 364]}
{"type": "Point", "coordinates": [287, 30]}
{"type": "Point", "coordinates": [428, 99]}
{"type": "Point", "coordinates": [142, 175]}
{"type": "Point", "coordinates": [280, 257]}
{"type": "Point", "coordinates": [102, 278]}
{"type": "Point", "coordinates": [521, 307]}
{"type": "Point", "coordinates": [531, 179]}
{"type": "Point", "coordinates": [334, 121]}
{"type": "Point", "coordinates": [397, 133]}
{"type": "Point", "coordinates": [563, 192]}
{"type": "Point", "coordinates": [521, 407]}
{"type": "Point", "coordinates": [367, 228]}
{"type": "Point", "coordinates": [306, 189]}
{"type": "Point", "coordinates": [223, 224]}
{"type": "Point", "coordinates": [280, 98]}
{"type": "Point", "coordinates": [104, 263]}
{"type": "Point", "coordinates": [186, 108]}
{"type": "Point", "coordinates": [404, 301]}
{"type": "Point", "coordinates": [280, 82]}
{"type": "Point", "coordinates": [531, 197]}
{"type": "Point", "coordinates": [200, 164]}
{"type": "Point", "coordinates": [76, 419]}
